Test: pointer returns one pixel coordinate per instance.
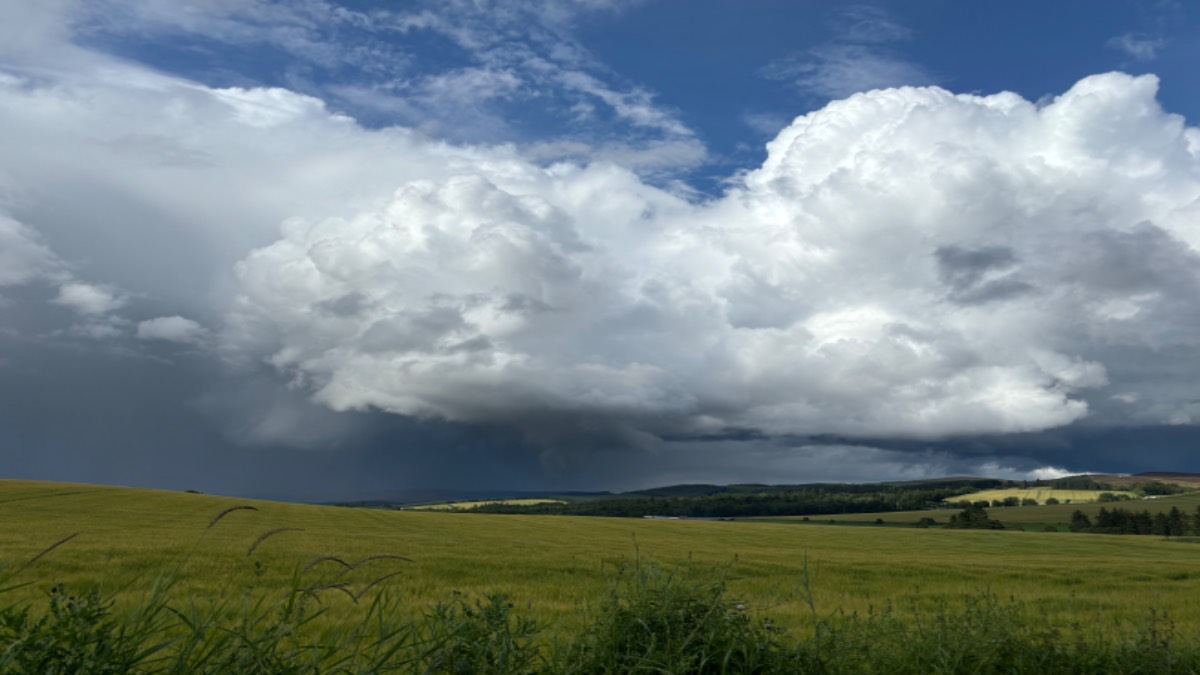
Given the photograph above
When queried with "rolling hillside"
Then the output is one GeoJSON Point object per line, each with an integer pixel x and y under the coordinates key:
{"type": "Point", "coordinates": [555, 566]}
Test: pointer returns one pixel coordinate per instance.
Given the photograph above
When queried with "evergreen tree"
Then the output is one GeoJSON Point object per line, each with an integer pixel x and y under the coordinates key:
{"type": "Point", "coordinates": [1162, 526]}
{"type": "Point", "coordinates": [1175, 523]}
{"type": "Point", "coordinates": [1143, 523]}
{"type": "Point", "coordinates": [1079, 522]}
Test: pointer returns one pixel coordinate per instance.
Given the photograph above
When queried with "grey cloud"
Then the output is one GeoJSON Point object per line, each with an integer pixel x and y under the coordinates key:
{"type": "Point", "coordinates": [993, 291]}
{"type": "Point", "coordinates": [978, 276]}
{"type": "Point", "coordinates": [792, 461]}
{"type": "Point", "coordinates": [24, 257]}
{"type": "Point", "coordinates": [962, 268]}
{"type": "Point", "coordinates": [34, 28]}
{"type": "Point", "coordinates": [73, 415]}
{"type": "Point", "coordinates": [345, 306]}
{"type": "Point", "coordinates": [1144, 258]}
{"type": "Point", "coordinates": [419, 331]}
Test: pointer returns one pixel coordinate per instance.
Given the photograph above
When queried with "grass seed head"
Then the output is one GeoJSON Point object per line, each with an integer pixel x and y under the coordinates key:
{"type": "Point", "coordinates": [228, 511]}
{"type": "Point", "coordinates": [268, 534]}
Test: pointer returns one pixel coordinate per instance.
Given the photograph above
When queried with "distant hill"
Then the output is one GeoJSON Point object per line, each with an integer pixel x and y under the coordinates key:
{"type": "Point", "coordinates": [433, 495]}
{"type": "Point", "coordinates": [1176, 477]}
{"type": "Point", "coordinates": [706, 490]}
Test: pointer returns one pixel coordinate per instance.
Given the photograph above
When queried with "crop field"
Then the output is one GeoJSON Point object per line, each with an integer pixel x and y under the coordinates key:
{"type": "Point", "coordinates": [555, 568]}
{"type": "Point", "coordinates": [459, 506]}
{"type": "Point", "coordinates": [1040, 494]}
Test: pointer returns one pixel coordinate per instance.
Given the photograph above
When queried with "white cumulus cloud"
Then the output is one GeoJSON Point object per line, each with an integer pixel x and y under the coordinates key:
{"type": "Point", "coordinates": [88, 299]}
{"type": "Point", "coordinates": [172, 329]}
{"type": "Point", "coordinates": [906, 262]}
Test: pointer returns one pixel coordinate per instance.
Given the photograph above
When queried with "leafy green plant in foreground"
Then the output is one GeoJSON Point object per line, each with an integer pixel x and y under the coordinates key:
{"type": "Point", "coordinates": [76, 634]}
{"type": "Point", "coordinates": [669, 620]}
{"type": "Point", "coordinates": [460, 636]}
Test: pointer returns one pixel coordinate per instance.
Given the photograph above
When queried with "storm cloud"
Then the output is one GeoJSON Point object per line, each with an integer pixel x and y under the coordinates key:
{"type": "Point", "coordinates": [913, 281]}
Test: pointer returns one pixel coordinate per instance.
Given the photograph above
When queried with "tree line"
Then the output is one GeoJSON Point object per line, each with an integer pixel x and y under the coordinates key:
{"type": "Point", "coordinates": [794, 502]}
{"type": "Point", "coordinates": [1174, 523]}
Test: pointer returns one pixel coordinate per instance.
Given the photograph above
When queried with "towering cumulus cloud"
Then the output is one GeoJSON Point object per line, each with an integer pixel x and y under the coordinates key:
{"type": "Point", "coordinates": [905, 262]}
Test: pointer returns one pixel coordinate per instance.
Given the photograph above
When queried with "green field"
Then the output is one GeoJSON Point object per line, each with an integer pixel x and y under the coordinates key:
{"type": "Point", "coordinates": [461, 506]}
{"type": "Point", "coordinates": [1040, 494]}
{"type": "Point", "coordinates": [554, 567]}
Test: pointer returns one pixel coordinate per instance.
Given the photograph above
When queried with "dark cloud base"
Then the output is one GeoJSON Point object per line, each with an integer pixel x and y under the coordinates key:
{"type": "Point", "coordinates": [132, 419]}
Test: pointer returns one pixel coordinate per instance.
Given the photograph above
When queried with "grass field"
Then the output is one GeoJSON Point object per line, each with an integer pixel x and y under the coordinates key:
{"type": "Point", "coordinates": [554, 567]}
{"type": "Point", "coordinates": [1040, 494]}
{"type": "Point", "coordinates": [459, 506]}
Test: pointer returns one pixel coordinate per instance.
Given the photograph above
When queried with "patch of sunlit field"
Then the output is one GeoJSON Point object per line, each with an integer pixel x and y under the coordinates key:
{"type": "Point", "coordinates": [555, 568]}
{"type": "Point", "coordinates": [461, 506]}
{"type": "Point", "coordinates": [1040, 494]}
{"type": "Point", "coordinates": [1028, 517]}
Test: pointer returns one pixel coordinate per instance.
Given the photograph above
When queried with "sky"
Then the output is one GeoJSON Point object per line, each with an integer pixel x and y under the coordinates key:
{"type": "Point", "coordinates": [324, 250]}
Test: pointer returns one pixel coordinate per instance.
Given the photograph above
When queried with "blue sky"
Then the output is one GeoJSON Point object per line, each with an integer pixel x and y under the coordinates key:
{"type": "Point", "coordinates": [731, 73]}
{"type": "Point", "coordinates": [595, 244]}
{"type": "Point", "coordinates": [712, 61]}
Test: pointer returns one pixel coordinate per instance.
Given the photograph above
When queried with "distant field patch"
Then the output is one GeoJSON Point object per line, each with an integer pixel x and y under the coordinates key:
{"type": "Point", "coordinates": [458, 506]}
{"type": "Point", "coordinates": [1040, 494]}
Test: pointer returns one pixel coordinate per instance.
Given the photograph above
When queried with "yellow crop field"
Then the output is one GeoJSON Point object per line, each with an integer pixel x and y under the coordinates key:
{"type": "Point", "coordinates": [555, 567]}
{"type": "Point", "coordinates": [459, 506]}
{"type": "Point", "coordinates": [1040, 494]}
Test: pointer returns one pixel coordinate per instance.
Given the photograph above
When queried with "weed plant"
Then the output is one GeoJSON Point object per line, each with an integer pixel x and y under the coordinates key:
{"type": "Point", "coordinates": [659, 620]}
